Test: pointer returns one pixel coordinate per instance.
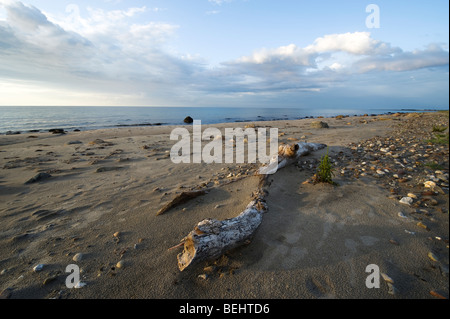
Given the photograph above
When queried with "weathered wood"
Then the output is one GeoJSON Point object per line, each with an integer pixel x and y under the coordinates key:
{"type": "Point", "coordinates": [211, 238]}
{"type": "Point", "coordinates": [180, 199]}
{"type": "Point", "coordinates": [286, 156]}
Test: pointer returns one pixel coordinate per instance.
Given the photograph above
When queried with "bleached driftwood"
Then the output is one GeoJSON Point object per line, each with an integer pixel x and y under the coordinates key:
{"type": "Point", "coordinates": [289, 154]}
{"type": "Point", "coordinates": [211, 238]}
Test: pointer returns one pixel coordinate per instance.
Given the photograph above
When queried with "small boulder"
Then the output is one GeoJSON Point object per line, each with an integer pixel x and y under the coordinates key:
{"type": "Point", "coordinates": [188, 120]}
{"type": "Point", "coordinates": [57, 131]}
{"type": "Point", "coordinates": [319, 124]}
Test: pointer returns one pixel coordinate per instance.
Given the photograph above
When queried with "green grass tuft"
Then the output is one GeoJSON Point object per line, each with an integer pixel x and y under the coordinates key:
{"type": "Point", "coordinates": [324, 172]}
{"type": "Point", "coordinates": [440, 129]}
{"type": "Point", "coordinates": [440, 139]}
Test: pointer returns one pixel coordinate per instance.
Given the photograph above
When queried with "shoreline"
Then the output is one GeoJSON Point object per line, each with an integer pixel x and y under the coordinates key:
{"type": "Point", "coordinates": [106, 186]}
{"type": "Point", "coordinates": [144, 124]}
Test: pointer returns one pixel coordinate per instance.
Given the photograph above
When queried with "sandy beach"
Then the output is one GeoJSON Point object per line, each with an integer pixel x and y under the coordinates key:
{"type": "Point", "coordinates": [96, 200]}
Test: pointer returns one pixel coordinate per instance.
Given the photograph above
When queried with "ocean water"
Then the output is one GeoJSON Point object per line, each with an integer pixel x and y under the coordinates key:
{"type": "Point", "coordinates": [43, 118]}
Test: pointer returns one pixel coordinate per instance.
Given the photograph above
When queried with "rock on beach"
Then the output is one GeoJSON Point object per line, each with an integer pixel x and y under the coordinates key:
{"type": "Point", "coordinates": [188, 120]}
{"type": "Point", "coordinates": [319, 124]}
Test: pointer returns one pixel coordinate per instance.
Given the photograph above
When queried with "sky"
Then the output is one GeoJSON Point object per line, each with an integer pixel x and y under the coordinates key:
{"type": "Point", "coordinates": [241, 53]}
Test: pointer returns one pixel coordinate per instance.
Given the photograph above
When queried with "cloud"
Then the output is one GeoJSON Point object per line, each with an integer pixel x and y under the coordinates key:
{"type": "Point", "coordinates": [290, 54]}
{"type": "Point", "coordinates": [105, 51]}
{"type": "Point", "coordinates": [109, 56]}
{"type": "Point", "coordinates": [331, 61]}
{"type": "Point", "coordinates": [432, 56]}
{"type": "Point", "coordinates": [357, 43]}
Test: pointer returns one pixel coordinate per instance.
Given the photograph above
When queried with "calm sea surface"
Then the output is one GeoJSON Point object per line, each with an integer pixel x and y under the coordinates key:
{"type": "Point", "coordinates": [42, 118]}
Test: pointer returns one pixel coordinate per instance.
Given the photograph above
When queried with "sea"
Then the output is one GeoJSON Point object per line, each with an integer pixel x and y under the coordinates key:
{"type": "Point", "coordinates": [22, 119]}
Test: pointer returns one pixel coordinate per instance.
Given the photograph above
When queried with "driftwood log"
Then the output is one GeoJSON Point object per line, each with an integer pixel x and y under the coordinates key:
{"type": "Point", "coordinates": [211, 238]}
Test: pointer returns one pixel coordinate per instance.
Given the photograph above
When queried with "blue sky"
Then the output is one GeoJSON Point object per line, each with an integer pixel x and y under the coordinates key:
{"type": "Point", "coordinates": [256, 53]}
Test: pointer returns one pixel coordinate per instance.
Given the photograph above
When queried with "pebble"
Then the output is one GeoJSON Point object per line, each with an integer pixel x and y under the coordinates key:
{"type": "Point", "coordinates": [420, 224]}
{"type": "Point", "coordinates": [80, 284]}
{"type": "Point", "coordinates": [209, 269]}
{"type": "Point", "coordinates": [400, 214]}
{"type": "Point", "coordinates": [78, 257]}
{"type": "Point", "coordinates": [392, 290]}
{"type": "Point", "coordinates": [116, 234]}
{"type": "Point", "coordinates": [49, 280]}
{"type": "Point", "coordinates": [429, 184]}
{"type": "Point", "coordinates": [406, 200]}
{"type": "Point", "coordinates": [38, 268]}
{"type": "Point", "coordinates": [203, 276]}
{"type": "Point", "coordinates": [387, 278]}
{"type": "Point", "coordinates": [412, 195]}
{"type": "Point", "coordinates": [394, 242]}
{"type": "Point", "coordinates": [120, 264]}
{"type": "Point", "coordinates": [432, 256]}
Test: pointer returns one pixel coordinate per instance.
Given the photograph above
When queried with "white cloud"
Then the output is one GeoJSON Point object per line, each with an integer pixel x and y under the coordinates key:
{"type": "Point", "coordinates": [336, 66]}
{"type": "Point", "coordinates": [358, 43]}
{"type": "Point", "coordinates": [105, 51]}
{"type": "Point", "coordinates": [329, 61]}
{"type": "Point", "coordinates": [290, 53]}
{"type": "Point", "coordinates": [109, 56]}
{"type": "Point", "coordinates": [433, 56]}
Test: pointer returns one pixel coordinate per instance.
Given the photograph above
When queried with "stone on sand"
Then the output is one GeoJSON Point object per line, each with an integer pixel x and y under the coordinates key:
{"type": "Point", "coordinates": [319, 124]}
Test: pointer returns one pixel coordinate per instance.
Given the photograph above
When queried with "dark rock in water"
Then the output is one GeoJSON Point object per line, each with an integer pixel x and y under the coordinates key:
{"type": "Point", "coordinates": [57, 131]}
{"type": "Point", "coordinates": [12, 132]}
{"type": "Point", "coordinates": [76, 130]}
{"type": "Point", "coordinates": [38, 177]}
{"type": "Point", "coordinates": [33, 131]}
{"type": "Point", "coordinates": [188, 120]}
